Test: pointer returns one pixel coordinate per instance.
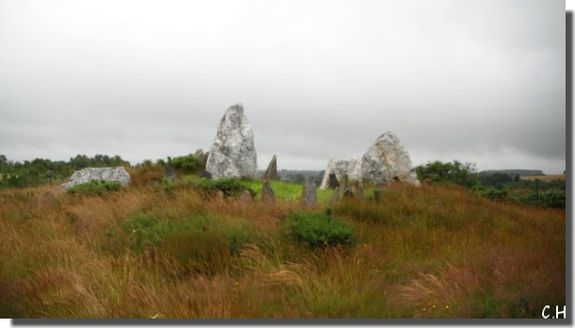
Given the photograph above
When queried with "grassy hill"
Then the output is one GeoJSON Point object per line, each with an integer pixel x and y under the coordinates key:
{"type": "Point", "coordinates": [172, 251]}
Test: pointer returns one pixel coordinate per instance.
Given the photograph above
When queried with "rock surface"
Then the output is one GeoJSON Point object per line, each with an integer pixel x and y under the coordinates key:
{"type": "Point", "coordinates": [385, 161]}
{"type": "Point", "coordinates": [271, 172]}
{"type": "Point", "coordinates": [340, 168]}
{"type": "Point", "coordinates": [233, 153]}
{"type": "Point", "coordinates": [118, 174]}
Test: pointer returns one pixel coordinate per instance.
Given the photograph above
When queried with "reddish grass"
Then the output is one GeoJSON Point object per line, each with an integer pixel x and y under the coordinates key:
{"type": "Point", "coordinates": [421, 252]}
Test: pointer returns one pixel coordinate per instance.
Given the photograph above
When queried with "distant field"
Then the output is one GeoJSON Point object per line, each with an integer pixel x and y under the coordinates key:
{"type": "Point", "coordinates": [551, 177]}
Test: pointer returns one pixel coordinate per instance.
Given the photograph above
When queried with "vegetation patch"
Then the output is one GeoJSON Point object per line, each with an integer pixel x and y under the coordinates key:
{"type": "Point", "coordinates": [229, 186]}
{"type": "Point", "coordinates": [320, 230]}
{"type": "Point", "coordinates": [94, 187]}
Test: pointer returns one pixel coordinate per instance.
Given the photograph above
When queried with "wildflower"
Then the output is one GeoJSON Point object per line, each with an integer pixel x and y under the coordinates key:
{"type": "Point", "coordinates": [447, 307]}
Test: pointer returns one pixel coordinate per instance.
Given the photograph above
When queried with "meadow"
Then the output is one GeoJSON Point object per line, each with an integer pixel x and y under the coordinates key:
{"type": "Point", "coordinates": [170, 250]}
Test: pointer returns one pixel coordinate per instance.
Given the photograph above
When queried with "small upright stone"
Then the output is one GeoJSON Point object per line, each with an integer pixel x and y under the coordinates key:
{"type": "Point", "coordinates": [245, 197]}
{"type": "Point", "coordinates": [308, 196]}
{"type": "Point", "coordinates": [268, 195]}
{"type": "Point", "coordinates": [202, 156]}
{"type": "Point", "coordinates": [169, 172]}
{"type": "Point", "coordinates": [347, 193]}
{"type": "Point", "coordinates": [332, 181]}
{"type": "Point", "coordinates": [357, 189]}
{"type": "Point", "coordinates": [334, 197]}
{"type": "Point", "coordinates": [272, 170]}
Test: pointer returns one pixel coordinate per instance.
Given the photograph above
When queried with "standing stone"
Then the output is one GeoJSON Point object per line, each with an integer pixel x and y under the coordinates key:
{"type": "Point", "coordinates": [110, 174]}
{"type": "Point", "coordinates": [202, 158]}
{"type": "Point", "coordinates": [272, 170]}
{"type": "Point", "coordinates": [245, 197]}
{"type": "Point", "coordinates": [169, 172]}
{"type": "Point", "coordinates": [335, 196]}
{"type": "Point", "coordinates": [357, 189]}
{"type": "Point", "coordinates": [268, 195]}
{"type": "Point", "coordinates": [387, 161]}
{"type": "Point", "coordinates": [384, 162]}
{"type": "Point", "coordinates": [332, 181]}
{"type": "Point", "coordinates": [233, 153]}
{"type": "Point", "coordinates": [352, 168]}
{"type": "Point", "coordinates": [308, 197]}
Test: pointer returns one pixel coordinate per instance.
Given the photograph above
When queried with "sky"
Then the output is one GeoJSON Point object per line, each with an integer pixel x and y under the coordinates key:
{"type": "Point", "coordinates": [475, 81]}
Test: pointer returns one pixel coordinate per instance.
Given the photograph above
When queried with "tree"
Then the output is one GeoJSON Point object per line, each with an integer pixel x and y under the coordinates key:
{"type": "Point", "coordinates": [450, 172]}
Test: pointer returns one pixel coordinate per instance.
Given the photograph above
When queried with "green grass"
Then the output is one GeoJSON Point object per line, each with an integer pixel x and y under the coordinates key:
{"type": "Point", "coordinates": [287, 191]}
{"type": "Point", "coordinates": [94, 187]}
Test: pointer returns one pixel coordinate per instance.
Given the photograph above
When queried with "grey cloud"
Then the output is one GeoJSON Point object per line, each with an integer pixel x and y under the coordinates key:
{"type": "Point", "coordinates": [479, 81]}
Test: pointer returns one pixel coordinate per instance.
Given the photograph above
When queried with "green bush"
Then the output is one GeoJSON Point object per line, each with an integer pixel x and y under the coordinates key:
{"type": "Point", "coordinates": [186, 164]}
{"type": "Point", "coordinates": [229, 186]}
{"type": "Point", "coordinates": [320, 230]}
{"type": "Point", "coordinates": [491, 193]}
{"type": "Point", "coordinates": [450, 172]}
{"type": "Point", "coordinates": [95, 187]}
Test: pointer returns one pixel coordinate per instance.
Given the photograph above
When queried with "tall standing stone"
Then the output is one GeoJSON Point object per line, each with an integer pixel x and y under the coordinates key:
{"type": "Point", "coordinates": [268, 195]}
{"type": "Point", "coordinates": [233, 153]}
{"type": "Point", "coordinates": [308, 197]}
{"type": "Point", "coordinates": [272, 170]}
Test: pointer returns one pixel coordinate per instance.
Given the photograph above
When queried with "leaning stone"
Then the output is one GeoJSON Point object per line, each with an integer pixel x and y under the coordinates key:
{"type": "Point", "coordinates": [272, 170]}
{"type": "Point", "coordinates": [110, 174]}
{"type": "Point", "coordinates": [268, 195]}
{"type": "Point", "coordinates": [309, 193]}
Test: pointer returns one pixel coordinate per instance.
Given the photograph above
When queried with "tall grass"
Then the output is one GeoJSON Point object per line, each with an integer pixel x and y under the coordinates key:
{"type": "Point", "coordinates": [146, 252]}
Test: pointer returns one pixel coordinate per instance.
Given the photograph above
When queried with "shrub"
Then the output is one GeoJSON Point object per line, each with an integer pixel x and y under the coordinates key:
{"type": "Point", "coordinates": [186, 164]}
{"type": "Point", "coordinates": [229, 186]}
{"type": "Point", "coordinates": [320, 230]}
{"type": "Point", "coordinates": [95, 187]}
{"type": "Point", "coordinates": [456, 172]}
{"type": "Point", "coordinates": [491, 193]}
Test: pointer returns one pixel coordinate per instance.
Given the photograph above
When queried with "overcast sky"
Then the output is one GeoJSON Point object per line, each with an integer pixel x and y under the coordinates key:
{"type": "Point", "coordinates": [479, 81]}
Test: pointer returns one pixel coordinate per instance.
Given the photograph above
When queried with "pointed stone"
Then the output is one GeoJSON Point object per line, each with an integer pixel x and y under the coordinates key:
{"type": "Point", "coordinates": [272, 170]}
{"type": "Point", "coordinates": [308, 197]}
{"type": "Point", "coordinates": [268, 195]}
{"type": "Point", "coordinates": [233, 153]}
